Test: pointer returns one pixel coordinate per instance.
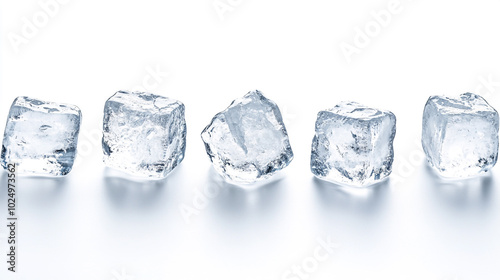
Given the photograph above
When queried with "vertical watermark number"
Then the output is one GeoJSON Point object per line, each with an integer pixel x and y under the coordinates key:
{"type": "Point", "coordinates": [11, 217]}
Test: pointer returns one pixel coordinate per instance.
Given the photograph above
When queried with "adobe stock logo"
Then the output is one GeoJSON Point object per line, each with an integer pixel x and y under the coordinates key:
{"type": "Point", "coordinates": [152, 80]}
{"type": "Point", "coordinates": [363, 36]}
{"type": "Point", "coordinates": [31, 26]}
{"type": "Point", "coordinates": [223, 7]}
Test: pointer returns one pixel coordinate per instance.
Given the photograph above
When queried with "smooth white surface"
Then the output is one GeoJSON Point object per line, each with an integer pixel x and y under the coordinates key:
{"type": "Point", "coordinates": [94, 225]}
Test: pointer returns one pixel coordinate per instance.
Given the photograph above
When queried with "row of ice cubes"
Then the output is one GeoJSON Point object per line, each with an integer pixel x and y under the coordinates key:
{"type": "Point", "coordinates": [145, 135]}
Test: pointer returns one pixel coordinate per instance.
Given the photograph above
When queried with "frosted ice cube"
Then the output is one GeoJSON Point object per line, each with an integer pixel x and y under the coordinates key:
{"type": "Point", "coordinates": [460, 135]}
{"type": "Point", "coordinates": [353, 144]}
{"type": "Point", "coordinates": [41, 137]}
{"type": "Point", "coordinates": [248, 141]}
{"type": "Point", "coordinates": [143, 134]}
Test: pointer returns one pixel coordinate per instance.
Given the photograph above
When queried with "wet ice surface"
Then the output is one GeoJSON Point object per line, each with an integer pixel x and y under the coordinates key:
{"type": "Point", "coordinates": [41, 137]}
{"type": "Point", "coordinates": [248, 141]}
{"type": "Point", "coordinates": [143, 134]}
{"type": "Point", "coordinates": [460, 135]}
{"type": "Point", "coordinates": [353, 144]}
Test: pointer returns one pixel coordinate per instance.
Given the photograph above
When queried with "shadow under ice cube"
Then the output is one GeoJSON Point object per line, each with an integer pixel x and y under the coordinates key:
{"type": "Point", "coordinates": [460, 135]}
{"type": "Point", "coordinates": [41, 137]}
{"type": "Point", "coordinates": [353, 144]}
{"type": "Point", "coordinates": [143, 134]}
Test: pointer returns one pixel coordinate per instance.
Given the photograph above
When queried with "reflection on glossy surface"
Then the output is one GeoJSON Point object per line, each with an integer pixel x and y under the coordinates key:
{"type": "Point", "coordinates": [366, 200]}
{"type": "Point", "coordinates": [457, 219]}
{"type": "Point", "coordinates": [460, 193]}
{"type": "Point", "coordinates": [41, 193]}
{"type": "Point", "coordinates": [44, 212]}
{"type": "Point", "coordinates": [238, 201]}
{"type": "Point", "coordinates": [36, 192]}
{"type": "Point", "coordinates": [249, 218]}
{"type": "Point", "coordinates": [126, 192]}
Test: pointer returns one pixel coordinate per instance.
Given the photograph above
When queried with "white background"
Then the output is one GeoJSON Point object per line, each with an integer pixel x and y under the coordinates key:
{"type": "Point", "coordinates": [94, 225]}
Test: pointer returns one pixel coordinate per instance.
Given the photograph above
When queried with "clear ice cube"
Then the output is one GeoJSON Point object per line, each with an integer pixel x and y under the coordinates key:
{"type": "Point", "coordinates": [143, 134]}
{"type": "Point", "coordinates": [248, 141]}
{"type": "Point", "coordinates": [41, 137]}
{"type": "Point", "coordinates": [353, 144]}
{"type": "Point", "coordinates": [460, 135]}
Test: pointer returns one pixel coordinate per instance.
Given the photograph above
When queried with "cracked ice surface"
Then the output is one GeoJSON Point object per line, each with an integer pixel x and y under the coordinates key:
{"type": "Point", "coordinates": [248, 141]}
{"type": "Point", "coordinates": [460, 135]}
{"type": "Point", "coordinates": [353, 144]}
{"type": "Point", "coordinates": [41, 137]}
{"type": "Point", "coordinates": [143, 134]}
